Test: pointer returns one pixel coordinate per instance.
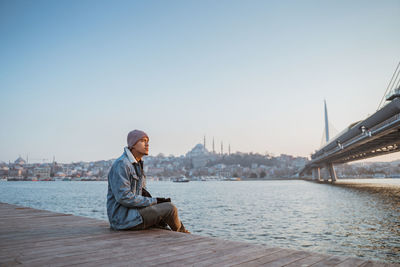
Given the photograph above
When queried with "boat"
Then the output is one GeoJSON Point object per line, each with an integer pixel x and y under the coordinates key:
{"type": "Point", "coordinates": [232, 179]}
{"type": "Point", "coordinates": [181, 179]}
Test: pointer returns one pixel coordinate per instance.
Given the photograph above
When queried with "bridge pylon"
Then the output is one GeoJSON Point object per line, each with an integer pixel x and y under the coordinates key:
{"type": "Point", "coordinates": [316, 174]}
{"type": "Point", "coordinates": [332, 172]}
{"type": "Point", "coordinates": [329, 167]}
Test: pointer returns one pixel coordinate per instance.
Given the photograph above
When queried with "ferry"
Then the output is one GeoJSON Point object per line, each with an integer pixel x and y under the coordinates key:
{"type": "Point", "coordinates": [181, 179]}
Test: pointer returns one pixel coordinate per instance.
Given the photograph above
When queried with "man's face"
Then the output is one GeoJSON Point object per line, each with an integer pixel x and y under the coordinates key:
{"type": "Point", "coordinates": [142, 146]}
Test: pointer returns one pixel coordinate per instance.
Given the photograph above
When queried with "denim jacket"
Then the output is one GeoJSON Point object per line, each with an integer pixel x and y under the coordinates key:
{"type": "Point", "coordinates": [124, 196]}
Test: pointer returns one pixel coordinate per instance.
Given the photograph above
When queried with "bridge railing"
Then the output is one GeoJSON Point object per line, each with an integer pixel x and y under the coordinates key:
{"type": "Point", "coordinates": [370, 130]}
{"type": "Point", "coordinates": [391, 119]}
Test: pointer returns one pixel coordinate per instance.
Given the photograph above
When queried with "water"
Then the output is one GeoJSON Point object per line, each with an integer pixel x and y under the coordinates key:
{"type": "Point", "coordinates": [353, 218]}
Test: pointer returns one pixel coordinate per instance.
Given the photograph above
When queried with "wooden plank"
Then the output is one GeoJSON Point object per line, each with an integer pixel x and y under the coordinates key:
{"type": "Point", "coordinates": [350, 262]}
{"type": "Point", "coordinates": [192, 254]}
{"type": "Point", "coordinates": [85, 239]}
{"type": "Point", "coordinates": [331, 261]}
{"type": "Point", "coordinates": [153, 251]}
{"type": "Point", "coordinates": [88, 247]}
{"type": "Point", "coordinates": [378, 264]}
{"type": "Point", "coordinates": [81, 253]}
{"type": "Point", "coordinates": [43, 235]}
{"type": "Point", "coordinates": [105, 250]}
{"type": "Point", "coordinates": [308, 261]}
{"type": "Point", "coordinates": [145, 252]}
{"type": "Point", "coordinates": [269, 258]}
{"type": "Point", "coordinates": [74, 256]}
{"type": "Point", "coordinates": [53, 229]}
{"type": "Point", "coordinates": [78, 245]}
{"type": "Point", "coordinates": [245, 255]}
{"type": "Point", "coordinates": [212, 257]}
{"type": "Point", "coordinates": [142, 254]}
{"type": "Point", "coordinates": [291, 258]}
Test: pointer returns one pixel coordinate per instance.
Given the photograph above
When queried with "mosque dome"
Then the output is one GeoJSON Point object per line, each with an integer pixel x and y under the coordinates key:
{"type": "Point", "coordinates": [20, 161]}
{"type": "Point", "coordinates": [198, 150]}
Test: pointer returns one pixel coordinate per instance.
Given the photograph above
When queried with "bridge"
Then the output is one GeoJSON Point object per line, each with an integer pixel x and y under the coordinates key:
{"type": "Point", "coordinates": [377, 135]}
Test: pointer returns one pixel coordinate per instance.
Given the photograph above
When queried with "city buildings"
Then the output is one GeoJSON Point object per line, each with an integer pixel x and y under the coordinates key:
{"type": "Point", "coordinates": [197, 164]}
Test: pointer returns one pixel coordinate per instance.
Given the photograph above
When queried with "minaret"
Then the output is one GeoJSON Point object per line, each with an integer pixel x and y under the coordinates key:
{"type": "Point", "coordinates": [204, 141]}
{"type": "Point", "coordinates": [213, 146]}
{"type": "Point", "coordinates": [222, 148]}
{"type": "Point", "coordinates": [229, 149]}
{"type": "Point", "coordinates": [326, 123]}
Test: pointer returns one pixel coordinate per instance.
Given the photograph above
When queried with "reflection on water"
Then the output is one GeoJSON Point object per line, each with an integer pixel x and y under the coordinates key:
{"type": "Point", "coordinates": [353, 217]}
{"type": "Point", "coordinates": [388, 189]}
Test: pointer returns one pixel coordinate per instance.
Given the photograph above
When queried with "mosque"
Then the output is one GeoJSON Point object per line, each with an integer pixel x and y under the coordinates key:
{"type": "Point", "coordinates": [20, 161]}
{"type": "Point", "coordinates": [199, 155]}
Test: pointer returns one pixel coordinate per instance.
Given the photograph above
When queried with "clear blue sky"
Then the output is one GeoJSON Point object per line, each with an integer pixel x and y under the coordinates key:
{"type": "Point", "coordinates": [77, 76]}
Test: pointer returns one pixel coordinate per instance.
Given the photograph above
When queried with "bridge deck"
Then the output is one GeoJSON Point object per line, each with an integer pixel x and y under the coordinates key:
{"type": "Point", "coordinates": [40, 238]}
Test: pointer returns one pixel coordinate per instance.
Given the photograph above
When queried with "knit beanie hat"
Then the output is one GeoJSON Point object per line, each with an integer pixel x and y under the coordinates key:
{"type": "Point", "coordinates": [134, 136]}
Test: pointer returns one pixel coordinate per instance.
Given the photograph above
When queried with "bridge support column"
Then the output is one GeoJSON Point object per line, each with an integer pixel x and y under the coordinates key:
{"type": "Point", "coordinates": [332, 172]}
{"type": "Point", "coordinates": [316, 173]}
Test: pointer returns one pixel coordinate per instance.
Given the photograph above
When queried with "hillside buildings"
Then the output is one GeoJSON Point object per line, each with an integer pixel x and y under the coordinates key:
{"type": "Point", "coordinates": [197, 164]}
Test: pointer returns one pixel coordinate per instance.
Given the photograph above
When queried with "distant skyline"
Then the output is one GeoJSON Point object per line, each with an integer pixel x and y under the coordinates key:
{"type": "Point", "coordinates": [77, 76]}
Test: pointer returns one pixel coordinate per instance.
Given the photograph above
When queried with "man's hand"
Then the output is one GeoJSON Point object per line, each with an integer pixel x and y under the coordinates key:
{"type": "Point", "coordinates": [162, 200]}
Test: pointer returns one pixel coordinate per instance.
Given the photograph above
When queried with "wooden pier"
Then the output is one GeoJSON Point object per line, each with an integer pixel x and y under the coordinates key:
{"type": "Point", "coordinates": [42, 238]}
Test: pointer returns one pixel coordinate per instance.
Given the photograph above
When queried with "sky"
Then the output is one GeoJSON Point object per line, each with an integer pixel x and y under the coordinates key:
{"type": "Point", "coordinates": [77, 76]}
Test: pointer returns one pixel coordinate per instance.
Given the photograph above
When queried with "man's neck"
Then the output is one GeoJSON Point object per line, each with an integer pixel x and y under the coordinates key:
{"type": "Point", "coordinates": [136, 155]}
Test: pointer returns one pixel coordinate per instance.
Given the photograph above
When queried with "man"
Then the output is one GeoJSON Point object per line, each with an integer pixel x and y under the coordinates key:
{"type": "Point", "coordinates": [129, 205]}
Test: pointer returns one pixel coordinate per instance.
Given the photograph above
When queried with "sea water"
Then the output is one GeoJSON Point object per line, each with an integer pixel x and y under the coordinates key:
{"type": "Point", "coordinates": [359, 218]}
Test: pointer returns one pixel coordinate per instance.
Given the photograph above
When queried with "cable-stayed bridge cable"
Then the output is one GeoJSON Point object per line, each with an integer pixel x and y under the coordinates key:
{"type": "Point", "coordinates": [389, 85]}
{"type": "Point", "coordinates": [397, 84]}
{"type": "Point", "coordinates": [393, 85]}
